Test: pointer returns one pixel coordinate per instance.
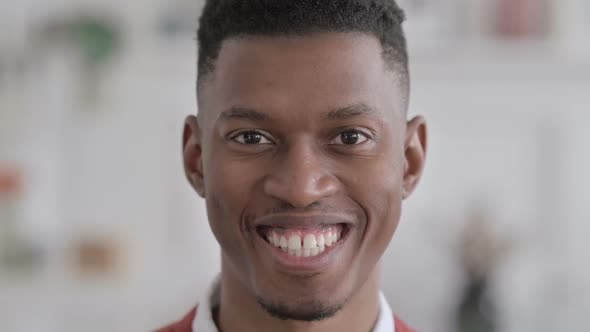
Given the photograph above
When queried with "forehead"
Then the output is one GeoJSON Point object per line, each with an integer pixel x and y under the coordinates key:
{"type": "Point", "coordinates": [296, 73]}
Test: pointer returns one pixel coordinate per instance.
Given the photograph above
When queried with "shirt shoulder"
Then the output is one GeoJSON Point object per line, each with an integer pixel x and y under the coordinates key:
{"type": "Point", "coordinates": [183, 325]}
{"type": "Point", "coordinates": [400, 326]}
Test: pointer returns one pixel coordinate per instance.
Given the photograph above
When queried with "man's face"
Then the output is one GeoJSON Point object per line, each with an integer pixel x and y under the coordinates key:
{"type": "Point", "coordinates": [300, 142]}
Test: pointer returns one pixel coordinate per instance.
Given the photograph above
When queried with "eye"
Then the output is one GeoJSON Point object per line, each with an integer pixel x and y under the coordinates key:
{"type": "Point", "coordinates": [251, 137]}
{"type": "Point", "coordinates": [351, 137]}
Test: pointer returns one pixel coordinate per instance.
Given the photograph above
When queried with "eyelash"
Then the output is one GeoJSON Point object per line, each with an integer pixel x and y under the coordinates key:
{"type": "Point", "coordinates": [355, 131]}
{"type": "Point", "coordinates": [265, 135]}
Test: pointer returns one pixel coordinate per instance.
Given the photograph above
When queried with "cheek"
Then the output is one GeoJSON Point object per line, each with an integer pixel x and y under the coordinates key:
{"type": "Point", "coordinates": [387, 216]}
{"type": "Point", "coordinates": [384, 211]}
{"type": "Point", "coordinates": [228, 191]}
{"type": "Point", "coordinates": [382, 204]}
{"type": "Point", "coordinates": [233, 195]}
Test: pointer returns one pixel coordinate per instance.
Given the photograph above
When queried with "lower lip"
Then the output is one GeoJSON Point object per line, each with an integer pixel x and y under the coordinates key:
{"type": "Point", "coordinates": [304, 264]}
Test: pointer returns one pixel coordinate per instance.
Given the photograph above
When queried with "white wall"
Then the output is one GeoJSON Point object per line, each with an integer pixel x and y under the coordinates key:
{"type": "Point", "coordinates": [520, 144]}
{"type": "Point", "coordinates": [509, 128]}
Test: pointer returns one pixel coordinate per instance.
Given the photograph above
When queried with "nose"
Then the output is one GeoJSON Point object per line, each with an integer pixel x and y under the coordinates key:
{"type": "Point", "coordinates": [301, 177]}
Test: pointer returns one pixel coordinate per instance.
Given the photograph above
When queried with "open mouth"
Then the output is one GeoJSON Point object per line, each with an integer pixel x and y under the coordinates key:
{"type": "Point", "coordinates": [304, 242]}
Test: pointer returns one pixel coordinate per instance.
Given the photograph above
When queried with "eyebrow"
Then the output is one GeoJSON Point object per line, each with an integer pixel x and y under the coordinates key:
{"type": "Point", "coordinates": [244, 113]}
{"type": "Point", "coordinates": [351, 111]}
{"type": "Point", "coordinates": [343, 113]}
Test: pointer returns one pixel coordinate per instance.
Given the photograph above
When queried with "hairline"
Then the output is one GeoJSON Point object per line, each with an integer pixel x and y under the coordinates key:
{"type": "Point", "coordinates": [394, 66]}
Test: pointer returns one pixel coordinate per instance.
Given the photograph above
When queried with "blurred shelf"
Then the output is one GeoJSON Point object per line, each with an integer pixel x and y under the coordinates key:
{"type": "Point", "coordinates": [541, 61]}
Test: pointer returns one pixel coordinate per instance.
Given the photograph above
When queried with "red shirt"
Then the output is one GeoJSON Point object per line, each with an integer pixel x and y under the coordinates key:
{"type": "Point", "coordinates": [185, 324]}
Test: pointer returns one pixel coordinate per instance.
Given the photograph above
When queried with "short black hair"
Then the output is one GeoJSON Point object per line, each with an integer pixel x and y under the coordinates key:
{"type": "Point", "coordinates": [225, 19]}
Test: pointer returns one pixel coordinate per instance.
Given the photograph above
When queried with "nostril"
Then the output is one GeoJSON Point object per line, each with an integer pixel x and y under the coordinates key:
{"type": "Point", "coordinates": [301, 182]}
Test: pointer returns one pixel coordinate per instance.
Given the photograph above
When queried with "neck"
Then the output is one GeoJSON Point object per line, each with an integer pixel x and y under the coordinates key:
{"type": "Point", "coordinates": [239, 310]}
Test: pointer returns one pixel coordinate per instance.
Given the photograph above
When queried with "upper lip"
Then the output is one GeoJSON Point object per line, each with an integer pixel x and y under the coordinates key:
{"type": "Point", "coordinates": [303, 220]}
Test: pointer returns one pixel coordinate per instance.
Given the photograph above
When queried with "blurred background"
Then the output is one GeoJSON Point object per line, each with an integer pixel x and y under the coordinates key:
{"type": "Point", "coordinates": [100, 232]}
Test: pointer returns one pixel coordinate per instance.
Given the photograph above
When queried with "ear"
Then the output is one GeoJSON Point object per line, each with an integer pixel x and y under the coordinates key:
{"type": "Point", "coordinates": [193, 154]}
{"type": "Point", "coordinates": [415, 145]}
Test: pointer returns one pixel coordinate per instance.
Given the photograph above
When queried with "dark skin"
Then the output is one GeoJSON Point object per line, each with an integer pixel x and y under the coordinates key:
{"type": "Point", "coordinates": [306, 128]}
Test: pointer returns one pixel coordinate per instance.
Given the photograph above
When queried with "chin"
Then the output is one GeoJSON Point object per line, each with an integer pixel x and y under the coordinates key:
{"type": "Point", "coordinates": [308, 311]}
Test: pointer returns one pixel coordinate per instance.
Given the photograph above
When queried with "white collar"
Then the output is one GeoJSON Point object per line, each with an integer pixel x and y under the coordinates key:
{"type": "Point", "coordinates": [203, 321]}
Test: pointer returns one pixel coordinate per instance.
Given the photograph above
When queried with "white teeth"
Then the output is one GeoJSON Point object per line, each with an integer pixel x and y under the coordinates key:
{"type": "Point", "coordinates": [298, 252]}
{"type": "Point", "coordinates": [321, 240]}
{"type": "Point", "coordinates": [312, 245]}
{"type": "Point", "coordinates": [294, 242]}
{"type": "Point", "coordinates": [283, 243]}
{"type": "Point", "coordinates": [314, 251]}
{"type": "Point", "coordinates": [328, 239]}
{"type": "Point", "coordinates": [306, 252]}
{"type": "Point", "coordinates": [309, 241]}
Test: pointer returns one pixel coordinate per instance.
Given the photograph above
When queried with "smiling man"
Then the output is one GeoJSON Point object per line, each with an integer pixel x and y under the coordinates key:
{"type": "Point", "coordinates": [303, 152]}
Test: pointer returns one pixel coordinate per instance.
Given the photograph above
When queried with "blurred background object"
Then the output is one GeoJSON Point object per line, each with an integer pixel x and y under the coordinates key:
{"type": "Point", "coordinates": [92, 38]}
{"type": "Point", "coordinates": [480, 253]}
{"type": "Point", "coordinates": [100, 232]}
{"type": "Point", "coordinates": [15, 251]}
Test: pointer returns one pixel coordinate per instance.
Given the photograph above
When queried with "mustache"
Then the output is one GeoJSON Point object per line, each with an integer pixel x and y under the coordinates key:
{"type": "Point", "coordinates": [323, 210]}
{"type": "Point", "coordinates": [286, 208]}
